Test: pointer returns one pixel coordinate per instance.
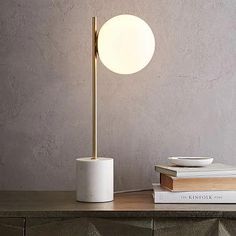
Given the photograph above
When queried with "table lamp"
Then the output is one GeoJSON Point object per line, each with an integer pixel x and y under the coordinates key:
{"type": "Point", "coordinates": [125, 44]}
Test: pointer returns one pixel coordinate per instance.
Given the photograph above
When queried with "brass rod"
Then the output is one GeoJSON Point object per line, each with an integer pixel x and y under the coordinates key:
{"type": "Point", "coordinates": [94, 87]}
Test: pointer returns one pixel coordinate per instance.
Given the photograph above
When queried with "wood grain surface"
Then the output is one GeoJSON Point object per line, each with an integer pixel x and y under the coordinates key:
{"type": "Point", "coordinates": [138, 204]}
{"type": "Point", "coordinates": [11, 226]}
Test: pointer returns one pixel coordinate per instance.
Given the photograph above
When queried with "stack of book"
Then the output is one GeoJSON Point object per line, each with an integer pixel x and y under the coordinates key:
{"type": "Point", "coordinates": [215, 183]}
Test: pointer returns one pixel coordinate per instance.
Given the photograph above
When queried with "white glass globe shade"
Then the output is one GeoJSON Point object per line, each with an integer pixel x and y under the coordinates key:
{"type": "Point", "coordinates": [125, 44]}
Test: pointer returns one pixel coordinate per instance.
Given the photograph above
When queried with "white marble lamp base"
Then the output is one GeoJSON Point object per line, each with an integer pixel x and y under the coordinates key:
{"type": "Point", "coordinates": [94, 179]}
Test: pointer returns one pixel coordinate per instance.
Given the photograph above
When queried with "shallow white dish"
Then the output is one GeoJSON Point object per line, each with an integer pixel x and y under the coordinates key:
{"type": "Point", "coordinates": [191, 161]}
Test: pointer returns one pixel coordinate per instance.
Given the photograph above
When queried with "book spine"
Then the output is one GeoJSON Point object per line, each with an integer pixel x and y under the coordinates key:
{"type": "Point", "coordinates": [198, 184]}
{"type": "Point", "coordinates": [165, 171]}
{"type": "Point", "coordinates": [195, 197]}
{"type": "Point", "coordinates": [205, 174]}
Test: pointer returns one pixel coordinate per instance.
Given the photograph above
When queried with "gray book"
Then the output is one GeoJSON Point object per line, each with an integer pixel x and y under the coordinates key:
{"type": "Point", "coordinates": [215, 170]}
{"type": "Point", "coordinates": [161, 195]}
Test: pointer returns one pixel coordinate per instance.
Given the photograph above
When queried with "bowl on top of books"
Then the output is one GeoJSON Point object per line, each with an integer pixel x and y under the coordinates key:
{"type": "Point", "coordinates": [191, 161]}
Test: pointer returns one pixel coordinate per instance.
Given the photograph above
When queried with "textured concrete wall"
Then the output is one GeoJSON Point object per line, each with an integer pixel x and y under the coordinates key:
{"type": "Point", "coordinates": [182, 103]}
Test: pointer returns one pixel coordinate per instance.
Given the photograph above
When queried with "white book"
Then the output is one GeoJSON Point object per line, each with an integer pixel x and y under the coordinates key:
{"type": "Point", "coordinates": [214, 170]}
{"type": "Point", "coordinates": [162, 195]}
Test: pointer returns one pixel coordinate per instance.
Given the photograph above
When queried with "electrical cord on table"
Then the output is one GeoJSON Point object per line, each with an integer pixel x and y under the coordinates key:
{"type": "Point", "coordinates": [134, 190]}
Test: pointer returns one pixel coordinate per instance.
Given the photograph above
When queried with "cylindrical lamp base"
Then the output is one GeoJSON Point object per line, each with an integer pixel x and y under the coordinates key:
{"type": "Point", "coordinates": [94, 179]}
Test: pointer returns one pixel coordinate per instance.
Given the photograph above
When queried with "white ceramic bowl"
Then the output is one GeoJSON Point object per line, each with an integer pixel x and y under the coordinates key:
{"type": "Point", "coordinates": [191, 161]}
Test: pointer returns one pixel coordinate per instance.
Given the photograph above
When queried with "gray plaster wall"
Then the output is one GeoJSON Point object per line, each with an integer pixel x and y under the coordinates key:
{"type": "Point", "coordinates": [182, 103]}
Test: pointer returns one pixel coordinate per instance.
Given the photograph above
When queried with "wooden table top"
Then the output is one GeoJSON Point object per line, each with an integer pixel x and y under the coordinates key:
{"type": "Point", "coordinates": [136, 204]}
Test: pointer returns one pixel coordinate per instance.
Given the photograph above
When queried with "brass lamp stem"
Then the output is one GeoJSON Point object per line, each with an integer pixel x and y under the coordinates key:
{"type": "Point", "coordinates": [94, 87]}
